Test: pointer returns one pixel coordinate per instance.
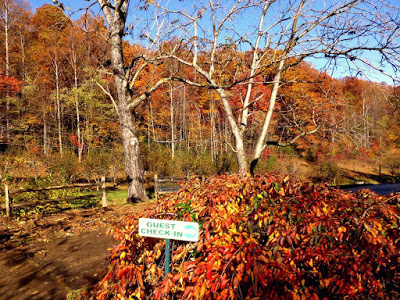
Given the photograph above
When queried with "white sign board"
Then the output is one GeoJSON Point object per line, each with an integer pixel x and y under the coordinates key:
{"type": "Point", "coordinates": [167, 229]}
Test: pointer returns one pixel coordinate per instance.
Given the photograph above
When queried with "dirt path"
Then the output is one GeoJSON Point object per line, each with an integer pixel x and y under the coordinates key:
{"type": "Point", "coordinates": [51, 270]}
{"type": "Point", "coordinates": [21, 279]}
{"type": "Point", "coordinates": [49, 257]}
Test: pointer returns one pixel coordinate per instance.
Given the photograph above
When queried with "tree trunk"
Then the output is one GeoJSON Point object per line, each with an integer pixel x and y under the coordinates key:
{"type": "Point", "coordinates": [184, 130]}
{"type": "Point", "coordinates": [212, 131]}
{"type": "Point", "coordinates": [78, 126]}
{"type": "Point", "coordinates": [132, 158]}
{"type": "Point", "coordinates": [7, 48]}
{"type": "Point", "coordinates": [22, 41]}
{"type": "Point", "coordinates": [261, 139]}
{"type": "Point", "coordinates": [200, 135]}
{"type": "Point", "coordinates": [58, 102]}
{"type": "Point", "coordinates": [45, 138]}
{"type": "Point", "coordinates": [239, 144]}
{"type": "Point", "coordinates": [172, 122]}
{"type": "Point", "coordinates": [130, 142]}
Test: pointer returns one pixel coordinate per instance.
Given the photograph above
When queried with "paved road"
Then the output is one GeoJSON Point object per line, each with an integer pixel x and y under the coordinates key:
{"type": "Point", "coordinates": [380, 189]}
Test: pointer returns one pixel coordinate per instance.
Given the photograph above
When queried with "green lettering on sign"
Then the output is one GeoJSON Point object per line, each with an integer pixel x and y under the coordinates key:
{"type": "Point", "coordinates": [168, 229]}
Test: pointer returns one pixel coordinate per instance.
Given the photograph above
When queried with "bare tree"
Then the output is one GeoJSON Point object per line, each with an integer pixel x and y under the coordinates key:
{"type": "Point", "coordinates": [76, 62]}
{"type": "Point", "coordinates": [125, 75]}
{"type": "Point", "coordinates": [279, 35]}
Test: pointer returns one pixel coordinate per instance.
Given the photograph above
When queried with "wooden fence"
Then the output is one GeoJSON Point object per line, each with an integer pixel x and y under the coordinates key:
{"type": "Point", "coordinates": [165, 185]}
{"type": "Point", "coordinates": [9, 205]}
{"type": "Point", "coordinates": [169, 185]}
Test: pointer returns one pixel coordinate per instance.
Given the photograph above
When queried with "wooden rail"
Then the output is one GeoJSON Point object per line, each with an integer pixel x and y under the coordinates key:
{"type": "Point", "coordinates": [9, 205]}
{"type": "Point", "coordinates": [58, 187]}
{"type": "Point", "coordinates": [165, 185]}
{"type": "Point", "coordinates": [33, 203]}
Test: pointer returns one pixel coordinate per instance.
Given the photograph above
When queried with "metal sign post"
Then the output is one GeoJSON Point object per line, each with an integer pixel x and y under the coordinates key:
{"type": "Point", "coordinates": [169, 230]}
{"type": "Point", "coordinates": [167, 256]}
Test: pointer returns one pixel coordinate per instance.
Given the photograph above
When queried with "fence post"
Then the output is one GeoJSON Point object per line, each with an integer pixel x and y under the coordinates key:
{"type": "Point", "coordinates": [156, 186]}
{"type": "Point", "coordinates": [8, 209]}
{"type": "Point", "coordinates": [103, 186]}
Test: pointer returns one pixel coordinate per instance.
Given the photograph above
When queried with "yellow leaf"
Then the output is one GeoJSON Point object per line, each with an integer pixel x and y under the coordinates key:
{"type": "Point", "coordinates": [202, 290]}
{"type": "Point", "coordinates": [325, 282]}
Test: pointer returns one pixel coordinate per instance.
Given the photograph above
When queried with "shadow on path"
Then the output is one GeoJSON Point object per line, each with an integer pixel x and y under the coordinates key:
{"type": "Point", "coordinates": [50, 270]}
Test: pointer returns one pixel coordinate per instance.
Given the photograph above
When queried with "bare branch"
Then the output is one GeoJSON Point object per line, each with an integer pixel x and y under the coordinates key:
{"type": "Point", "coordinates": [109, 95]}
{"type": "Point", "coordinates": [136, 101]}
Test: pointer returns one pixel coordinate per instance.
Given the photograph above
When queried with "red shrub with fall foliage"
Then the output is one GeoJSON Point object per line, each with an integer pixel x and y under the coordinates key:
{"type": "Point", "coordinates": [263, 237]}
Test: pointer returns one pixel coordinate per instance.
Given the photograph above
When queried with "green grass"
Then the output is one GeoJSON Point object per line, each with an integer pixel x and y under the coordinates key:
{"type": "Point", "coordinates": [117, 197]}
{"type": "Point", "coordinates": [75, 294]}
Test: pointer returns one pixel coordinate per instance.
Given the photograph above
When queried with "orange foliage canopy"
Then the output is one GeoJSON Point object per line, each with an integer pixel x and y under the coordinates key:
{"type": "Point", "coordinates": [9, 85]}
{"type": "Point", "coordinates": [259, 98]}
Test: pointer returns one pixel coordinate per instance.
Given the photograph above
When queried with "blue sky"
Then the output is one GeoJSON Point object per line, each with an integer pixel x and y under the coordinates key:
{"type": "Point", "coordinates": [74, 5]}
{"type": "Point", "coordinates": [319, 63]}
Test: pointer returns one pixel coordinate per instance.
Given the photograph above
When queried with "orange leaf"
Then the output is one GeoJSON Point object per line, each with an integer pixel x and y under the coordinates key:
{"type": "Point", "coordinates": [202, 290]}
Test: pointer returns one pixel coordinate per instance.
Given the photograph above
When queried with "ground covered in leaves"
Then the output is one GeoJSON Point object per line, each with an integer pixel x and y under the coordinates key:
{"type": "Point", "coordinates": [50, 256]}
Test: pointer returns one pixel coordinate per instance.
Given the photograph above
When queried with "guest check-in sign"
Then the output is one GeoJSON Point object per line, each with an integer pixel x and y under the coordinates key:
{"type": "Point", "coordinates": [167, 229]}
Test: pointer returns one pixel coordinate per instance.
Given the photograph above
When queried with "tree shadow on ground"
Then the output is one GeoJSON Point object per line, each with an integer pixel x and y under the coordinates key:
{"type": "Point", "coordinates": [50, 270]}
{"type": "Point", "coordinates": [356, 176]}
{"type": "Point", "coordinates": [24, 280]}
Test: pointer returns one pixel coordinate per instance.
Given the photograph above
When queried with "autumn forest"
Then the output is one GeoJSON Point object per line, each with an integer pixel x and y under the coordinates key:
{"type": "Point", "coordinates": [264, 109]}
{"type": "Point", "coordinates": [197, 107]}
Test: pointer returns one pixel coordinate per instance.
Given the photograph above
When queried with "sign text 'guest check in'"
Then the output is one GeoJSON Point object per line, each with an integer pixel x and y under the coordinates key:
{"type": "Point", "coordinates": [167, 229]}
